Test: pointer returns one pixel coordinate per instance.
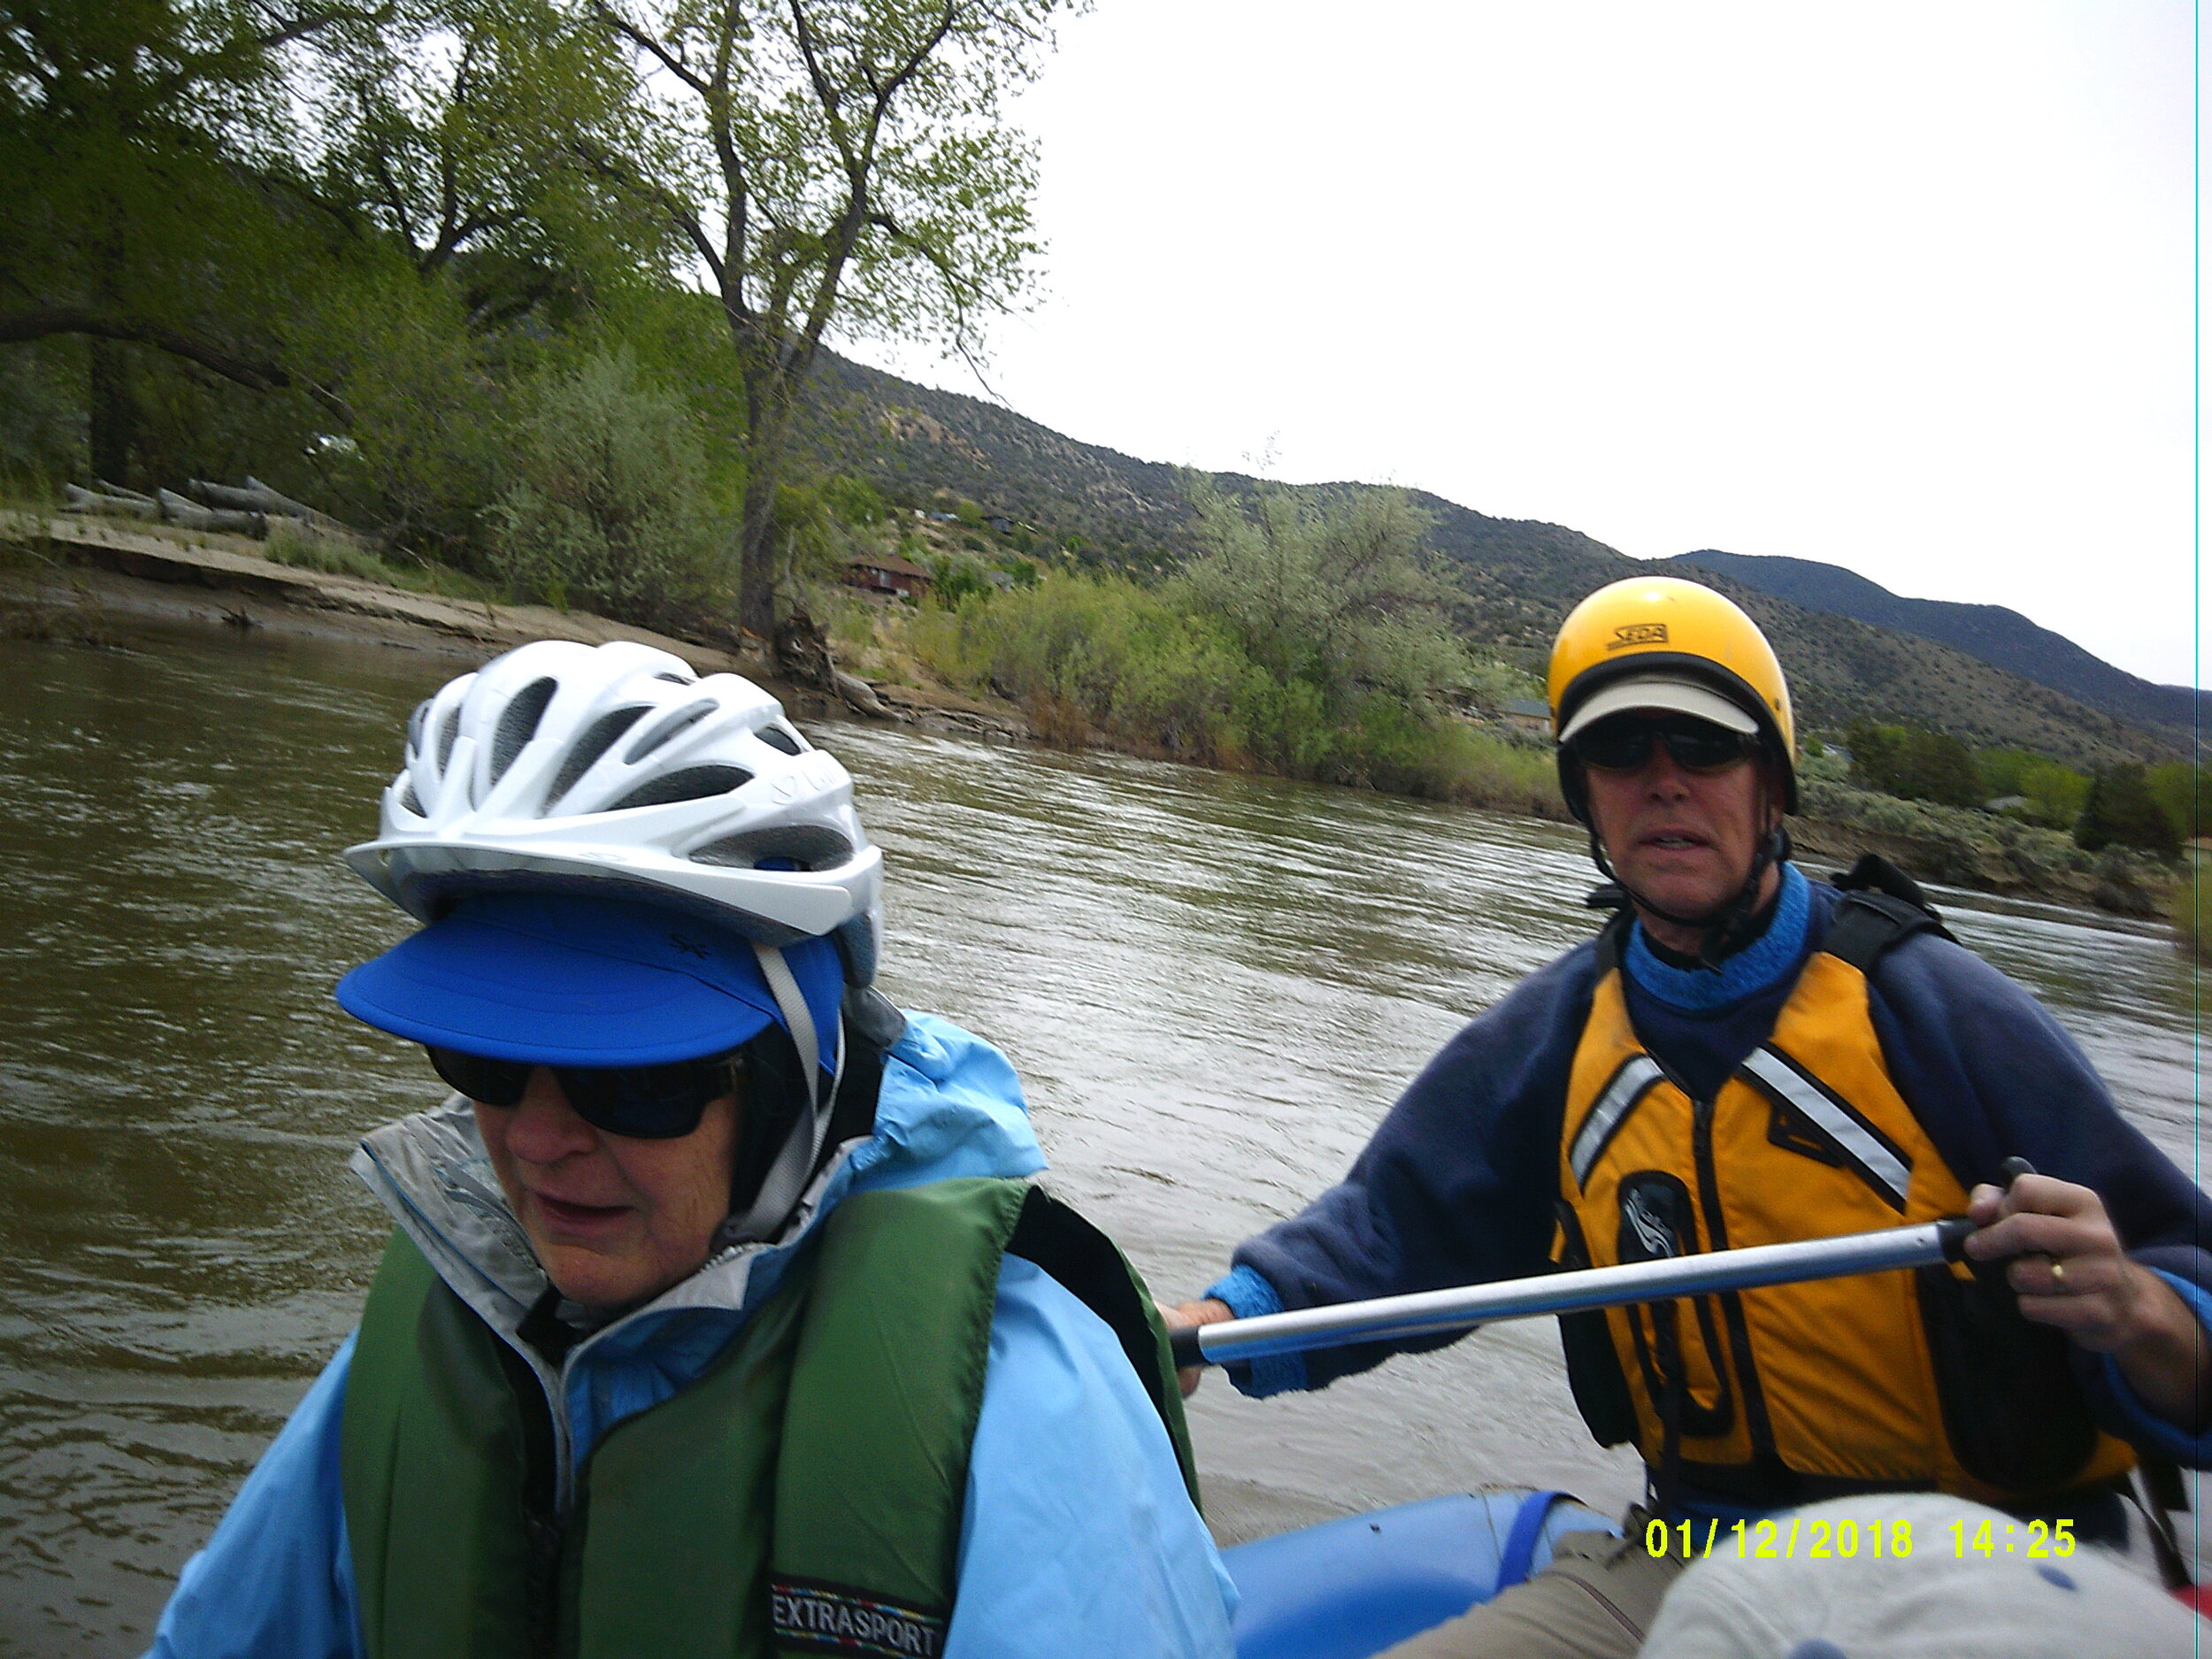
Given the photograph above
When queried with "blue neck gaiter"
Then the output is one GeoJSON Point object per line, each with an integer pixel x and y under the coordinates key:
{"type": "Point", "coordinates": [1756, 968]}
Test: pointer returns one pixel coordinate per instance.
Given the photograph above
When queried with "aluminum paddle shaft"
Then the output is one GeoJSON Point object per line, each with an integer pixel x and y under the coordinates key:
{"type": "Point", "coordinates": [1433, 1312]}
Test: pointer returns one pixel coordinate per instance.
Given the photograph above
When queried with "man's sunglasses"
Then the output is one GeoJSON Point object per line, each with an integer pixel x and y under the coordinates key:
{"type": "Point", "coordinates": [645, 1102]}
{"type": "Point", "coordinates": [1625, 742]}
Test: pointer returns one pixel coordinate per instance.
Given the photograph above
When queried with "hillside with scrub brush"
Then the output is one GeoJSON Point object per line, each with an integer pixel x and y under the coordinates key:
{"type": "Point", "coordinates": [1514, 579]}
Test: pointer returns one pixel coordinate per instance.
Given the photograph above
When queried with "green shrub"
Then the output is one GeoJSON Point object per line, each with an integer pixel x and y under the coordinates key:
{"type": "Point", "coordinates": [1139, 664]}
{"type": "Point", "coordinates": [612, 505]}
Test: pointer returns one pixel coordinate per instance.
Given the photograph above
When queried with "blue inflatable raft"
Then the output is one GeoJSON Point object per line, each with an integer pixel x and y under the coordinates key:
{"type": "Point", "coordinates": [1349, 1589]}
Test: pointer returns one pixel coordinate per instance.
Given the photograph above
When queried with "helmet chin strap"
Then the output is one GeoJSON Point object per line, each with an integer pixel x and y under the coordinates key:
{"type": "Point", "coordinates": [785, 1183]}
{"type": "Point", "coordinates": [1728, 924]}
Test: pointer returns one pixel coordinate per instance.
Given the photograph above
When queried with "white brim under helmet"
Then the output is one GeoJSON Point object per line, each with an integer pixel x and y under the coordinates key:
{"type": "Point", "coordinates": [1660, 694]}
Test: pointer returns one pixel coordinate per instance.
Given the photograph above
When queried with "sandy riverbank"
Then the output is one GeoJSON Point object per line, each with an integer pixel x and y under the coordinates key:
{"type": "Point", "coordinates": [74, 574]}
{"type": "Point", "coordinates": [75, 577]}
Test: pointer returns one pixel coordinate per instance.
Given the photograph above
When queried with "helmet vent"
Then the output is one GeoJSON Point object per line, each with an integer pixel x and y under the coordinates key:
{"type": "Point", "coordinates": [692, 783]}
{"type": "Point", "coordinates": [676, 679]}
{"type": "Point", "coordinates": [409, 799]}
{"type": "Point", "coordinates": [447, 733]}
{"type": "Point", "coordinates": [519, 724]}
{"type": "Point", "coordinates": [780, 737]}
{"type": "Point", "coordinates": [661, 731]}
{"type": "Point", "coordinates": [598, 737]}
{"type": "Point", "coordinates": [415, 723]}
{"type": "Point", "coordinates": [808, 846]}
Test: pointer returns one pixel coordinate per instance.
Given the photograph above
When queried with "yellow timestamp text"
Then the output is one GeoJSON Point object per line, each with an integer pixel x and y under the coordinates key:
{"type": "Point", "coordinates": [2043, 1539]}
{"type": "Point", "coordinates": [1785, 1538]}
{"type": "Point", "coordinates": [1794, 1538]}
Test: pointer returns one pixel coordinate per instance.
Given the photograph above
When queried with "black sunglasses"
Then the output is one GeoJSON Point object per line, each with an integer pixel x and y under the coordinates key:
{"type": "Point", "coordinates": [1624, 742]}
{"type": "Point", "coordinates": [645, 1102]}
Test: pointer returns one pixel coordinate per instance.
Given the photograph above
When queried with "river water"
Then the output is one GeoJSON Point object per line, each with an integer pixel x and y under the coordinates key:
{"type": "Point", "coordinates": [1213, 986]}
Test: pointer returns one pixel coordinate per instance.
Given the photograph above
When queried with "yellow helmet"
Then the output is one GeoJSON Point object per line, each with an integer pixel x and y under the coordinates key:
{"type": "Point", "coordinates": [1658, 642]}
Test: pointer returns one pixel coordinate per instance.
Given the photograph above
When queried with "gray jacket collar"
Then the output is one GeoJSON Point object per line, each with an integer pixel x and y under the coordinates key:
{"type": "Point", "coordinates": [431, 1171]}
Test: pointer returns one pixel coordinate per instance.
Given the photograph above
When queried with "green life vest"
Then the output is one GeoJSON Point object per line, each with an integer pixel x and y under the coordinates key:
{"type": "Point", "coordinates": [804, 1496]}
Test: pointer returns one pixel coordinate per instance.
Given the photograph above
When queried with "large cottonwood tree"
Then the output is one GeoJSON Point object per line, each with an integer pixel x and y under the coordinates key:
{"type": "Point", "coordinates": [131, 136]}
{"type": "Point", "coordinates": [831, 162]}
{"type": "Point", "coordinates": [249, 192]}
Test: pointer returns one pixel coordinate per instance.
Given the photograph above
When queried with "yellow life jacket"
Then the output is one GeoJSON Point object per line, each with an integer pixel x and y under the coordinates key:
{"type": "Point", "coordinates": [1926, 1379]}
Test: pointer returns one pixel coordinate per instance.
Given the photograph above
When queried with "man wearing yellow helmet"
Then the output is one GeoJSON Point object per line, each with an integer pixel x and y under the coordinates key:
{"type": "Point", "coordinates": [1742, 1056]}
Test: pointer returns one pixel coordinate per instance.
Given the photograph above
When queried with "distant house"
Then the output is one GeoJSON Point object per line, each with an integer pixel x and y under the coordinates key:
{"type": "Point", "coordinates": [1000, 522]}
{"type": "Point", "coordinates": [886, 573]}
{"type": "Point", "coordinates": [1527, 715]}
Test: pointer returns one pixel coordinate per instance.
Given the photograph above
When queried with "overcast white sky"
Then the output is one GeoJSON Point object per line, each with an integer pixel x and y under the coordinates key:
{"type": "Point", "coordinates": [1907, 288]}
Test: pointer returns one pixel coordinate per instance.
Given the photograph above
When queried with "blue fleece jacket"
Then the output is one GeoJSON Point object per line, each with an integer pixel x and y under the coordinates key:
{"type": "Point", "coordinates": [1458, 1183]}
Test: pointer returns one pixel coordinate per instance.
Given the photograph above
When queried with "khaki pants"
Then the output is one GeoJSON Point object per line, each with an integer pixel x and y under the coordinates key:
{"type": "Point", "coordinates": [1595, 1601]}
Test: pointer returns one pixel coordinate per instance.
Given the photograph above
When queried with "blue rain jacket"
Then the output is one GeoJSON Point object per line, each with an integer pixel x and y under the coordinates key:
{"type": "Point", "coordinates": [1078, 1538]}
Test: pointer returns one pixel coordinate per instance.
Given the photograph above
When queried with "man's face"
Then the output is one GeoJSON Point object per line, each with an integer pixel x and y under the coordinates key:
{"type": "Point", "coordinates": [614, 1221]}
{"type": "Point", "coordinates": [1683, 840]}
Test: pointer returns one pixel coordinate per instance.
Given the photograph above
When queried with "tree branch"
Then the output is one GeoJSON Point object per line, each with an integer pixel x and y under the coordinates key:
{"type": "Point", "coordinates": [825, 93]}
{"type": "Point", "coordinates": [244, 48]}
{"type": "Point", "coordinates": [448, 181]}
{"type": "Point", "coordinates": [650, 46]}
{"type": "Point", "coordinates": [42, 322]}
{"type": "Point", "coordinates": [677, 209]}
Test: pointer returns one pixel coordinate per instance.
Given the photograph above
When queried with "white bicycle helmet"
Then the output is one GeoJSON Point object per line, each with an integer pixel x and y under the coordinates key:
{"type": "Point", "coordinates": [616, 768]}
{"type": "Point", "coordinates": [615, 771]}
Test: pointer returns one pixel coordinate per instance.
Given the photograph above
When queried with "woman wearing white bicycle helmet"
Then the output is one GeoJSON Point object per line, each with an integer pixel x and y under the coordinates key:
{"type": "Point", "coordinates": [699, 1184]}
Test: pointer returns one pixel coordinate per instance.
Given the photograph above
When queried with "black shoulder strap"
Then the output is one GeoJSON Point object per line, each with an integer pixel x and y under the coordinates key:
{"type": "Point", "coordinates": [1613, 939]}
{"type": "Point", "coordinates": [1088, 1264]}
{"type": "Point", "coordinates": [1882, 907]}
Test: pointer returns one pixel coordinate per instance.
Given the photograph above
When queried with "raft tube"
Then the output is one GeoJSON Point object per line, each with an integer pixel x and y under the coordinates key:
{"type": "Point", "coordinates": [1350, 1587]}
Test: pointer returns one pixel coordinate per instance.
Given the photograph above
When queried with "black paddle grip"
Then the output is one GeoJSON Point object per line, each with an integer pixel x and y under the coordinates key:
{"type": "Point", "coordinates": [1955, 1230]}
{"type": "Point", "coordinates": [1183, 1345]}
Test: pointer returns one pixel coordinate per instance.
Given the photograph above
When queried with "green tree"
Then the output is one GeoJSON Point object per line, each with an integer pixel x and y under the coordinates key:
{"type": "Point", "coordinates": [2054, 794]}
{"type": "Point", "coordinates": [829, 159]}
{"type": "Point", "coordinates": [953, 581]}
{"type": "Point", "coordinates": [449, 129]}
{"type": "Point", "coordinates": [2121, 810]}
{"type": "Point", "coordinates": [135, 140]}
{"type": "Point", "coordinates": [1340, 597]}
{"type": "Point", "coordinates": [854, 500]}
{"type": "Point", "coordinates": [1914, 764]}
{"type": "Point", "coordinates": [2179, 787]}
{"type": "Point", "coordinates": [255, 221]}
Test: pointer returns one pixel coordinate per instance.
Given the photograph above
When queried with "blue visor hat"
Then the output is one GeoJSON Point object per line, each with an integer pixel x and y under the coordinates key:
{"type": "Point", "coordinates": [565, 980]}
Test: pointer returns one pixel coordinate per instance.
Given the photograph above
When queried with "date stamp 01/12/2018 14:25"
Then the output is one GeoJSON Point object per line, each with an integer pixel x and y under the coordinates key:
{"type": "Point", "coordinates": [1793, 1538]}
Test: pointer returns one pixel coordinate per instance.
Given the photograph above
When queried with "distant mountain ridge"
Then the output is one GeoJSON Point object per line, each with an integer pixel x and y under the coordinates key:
{"type": "Point", "coordinates": [1999, 636]}
{"type": "Point", "coordinates": [1518, 578]}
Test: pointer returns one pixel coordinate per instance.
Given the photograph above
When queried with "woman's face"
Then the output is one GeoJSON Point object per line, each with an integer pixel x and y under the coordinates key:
{"type": "Point", "coordinates": [614, 1221]}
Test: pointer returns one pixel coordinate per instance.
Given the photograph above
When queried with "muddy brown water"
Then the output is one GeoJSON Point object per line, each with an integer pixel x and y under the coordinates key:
{"type": "Point", "coordinates": [1213, 986]}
